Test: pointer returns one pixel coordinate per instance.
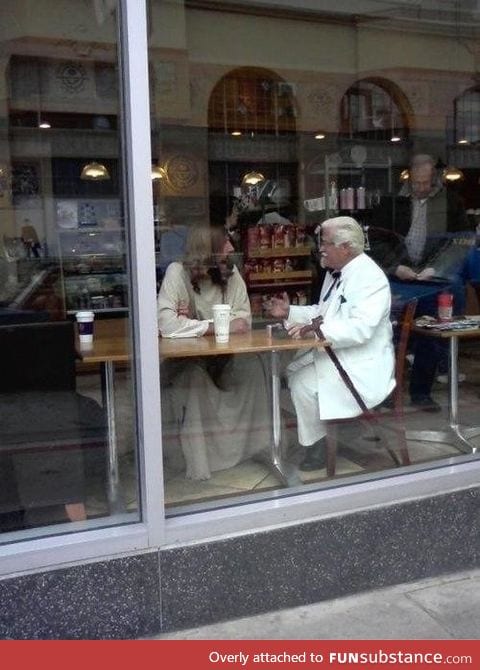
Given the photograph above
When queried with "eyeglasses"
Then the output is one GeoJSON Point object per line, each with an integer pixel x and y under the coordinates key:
{"type": "Point", "coordinates": [322, 243]}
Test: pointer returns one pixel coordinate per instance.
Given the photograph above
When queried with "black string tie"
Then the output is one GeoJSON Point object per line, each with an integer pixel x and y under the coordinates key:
{"type": "Point", "coordinates": [336, 274]}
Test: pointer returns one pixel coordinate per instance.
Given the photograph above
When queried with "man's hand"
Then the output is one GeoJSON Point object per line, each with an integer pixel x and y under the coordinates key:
{"type": "Point", "coordinates": [183, 309]}
{"type": "Point", "coordinates": [405, 273]}
{"type": "Point", "coordinates": [239, 326]}
{"type": "Point", "coordinates": [298, 331]}
{"type": "Point", "coordinates": [279, 307]}
{"type": "Point", "coordinates": [426, 274]}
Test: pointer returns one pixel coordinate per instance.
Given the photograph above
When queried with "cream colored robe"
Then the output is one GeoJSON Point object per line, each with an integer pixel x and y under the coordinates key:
{"type": "Point", "coordinates": [219, 423]}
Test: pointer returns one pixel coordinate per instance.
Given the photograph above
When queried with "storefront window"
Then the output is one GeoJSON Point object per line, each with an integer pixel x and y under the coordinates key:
{"type": "Point", "coordinates": [67, 462]}
{"type": "Point", "coordinates": [267, 120]}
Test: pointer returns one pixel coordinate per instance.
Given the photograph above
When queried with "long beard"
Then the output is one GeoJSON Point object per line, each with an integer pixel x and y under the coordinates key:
{"type": "Point", "coordinates": [221, 272]}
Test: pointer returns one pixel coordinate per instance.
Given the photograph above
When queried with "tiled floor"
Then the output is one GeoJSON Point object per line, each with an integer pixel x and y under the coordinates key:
{"type": "Point", "coordinates": [356, 455]}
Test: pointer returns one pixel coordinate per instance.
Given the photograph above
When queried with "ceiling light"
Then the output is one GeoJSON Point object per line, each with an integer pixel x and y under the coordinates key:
{"type": "Point", "coordinates": [95, 172]}
{"type": "Point", "coordinates": [320, 136]}
{"type": "Point", "coordinates": [236, 133]}
{"type": "Point", "coordinates": [395, 138]}
{"type": "Point", "coordinates": [252, 178]}
{"type": "Point", "coordinates": [463, 141]}
{"type": "Point", "coordinates": [44, 124]}
{"type": "Point", "coordinates": [404, 175]}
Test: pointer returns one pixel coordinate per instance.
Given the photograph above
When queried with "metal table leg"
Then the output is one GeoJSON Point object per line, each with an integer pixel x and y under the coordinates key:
{"type": "Point", "coordinates": [115, 498]}
{"type": "Point", "coordinates": [456, 435]}
{"type": "Point", "coordinates": [286, 472]}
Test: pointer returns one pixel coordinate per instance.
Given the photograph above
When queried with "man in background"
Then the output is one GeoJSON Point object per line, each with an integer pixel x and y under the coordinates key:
{"type": "Point", "coordinates": [431, 222]}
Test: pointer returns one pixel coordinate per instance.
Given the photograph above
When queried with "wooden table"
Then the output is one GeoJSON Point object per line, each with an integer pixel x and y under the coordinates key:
{"type": "Point", "coordinates": [112, 345]}
{"type": "Point", "coordinates": [456, 434]}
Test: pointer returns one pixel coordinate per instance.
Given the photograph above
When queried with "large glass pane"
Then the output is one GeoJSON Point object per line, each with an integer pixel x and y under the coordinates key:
{"type": "Point", "coordinates": [269, 118]}
{"type": "Point", "coordinates": [63, 250]}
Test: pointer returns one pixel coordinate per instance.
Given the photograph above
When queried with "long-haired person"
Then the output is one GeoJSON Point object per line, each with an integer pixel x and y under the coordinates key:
{"type": "Point", "coordinates": [217, 406]}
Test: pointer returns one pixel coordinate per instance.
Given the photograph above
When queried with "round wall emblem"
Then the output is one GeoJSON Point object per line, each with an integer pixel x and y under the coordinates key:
{"type": "Point", "coordinates": [72, 77]}
{"type": "Point", "coordinates": [182, 172]}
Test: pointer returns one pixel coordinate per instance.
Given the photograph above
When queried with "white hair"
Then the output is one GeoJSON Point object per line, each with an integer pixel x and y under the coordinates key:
{"type": "Point", "coordinates": [422, 159]}
{"type": "Point", "coordinates": [345, 230]}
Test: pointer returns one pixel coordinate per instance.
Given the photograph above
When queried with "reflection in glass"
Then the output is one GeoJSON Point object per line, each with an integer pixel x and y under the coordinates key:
{"type": "Point", "coordinates": [219, 113]}
{"type": "Point", "coordinates": [63, 248]}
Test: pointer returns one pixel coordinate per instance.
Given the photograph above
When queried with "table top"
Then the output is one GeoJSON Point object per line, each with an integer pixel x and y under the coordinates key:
{"type": "Point", "coordinates": [112, 343]}
{"type": "Point", "coordinates": [445, 332]}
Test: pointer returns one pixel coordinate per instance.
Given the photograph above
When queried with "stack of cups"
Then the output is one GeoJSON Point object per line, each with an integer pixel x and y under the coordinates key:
{"type": "Point", "coordinates": [221, 323]}
{"type": "Point", "coordinates": [85, 326]}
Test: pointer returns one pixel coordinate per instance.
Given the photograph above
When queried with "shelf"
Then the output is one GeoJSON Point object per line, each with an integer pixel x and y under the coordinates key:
{"type": "Point", "coordinates": [269, 276]}
{"type": "Point", "coordinates": [90, 230]}
{"type": "Point", "coordinates": [279, 252]}
{"type": "Point", "coordinates": [281, 285]}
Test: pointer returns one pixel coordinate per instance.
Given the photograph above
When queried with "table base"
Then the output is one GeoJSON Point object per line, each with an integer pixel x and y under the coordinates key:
{"type": "Point", "coordinates": [454, 435]}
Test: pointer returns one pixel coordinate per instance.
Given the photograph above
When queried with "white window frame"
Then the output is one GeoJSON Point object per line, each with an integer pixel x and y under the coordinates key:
{"type": "Point", "coordinates": [154, 532]}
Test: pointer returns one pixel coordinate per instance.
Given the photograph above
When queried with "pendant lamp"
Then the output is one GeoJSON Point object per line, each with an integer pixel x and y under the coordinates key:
{"type": "Point", "coordinates": [252, 178]}
{"type": "Point", "coordinates": [94, 172]}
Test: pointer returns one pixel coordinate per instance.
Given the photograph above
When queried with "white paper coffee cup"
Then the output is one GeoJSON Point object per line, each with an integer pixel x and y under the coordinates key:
{"type": "Point", "coordinates": [221, 323]}
{"type": "Point", "coordinates": [85, 326]}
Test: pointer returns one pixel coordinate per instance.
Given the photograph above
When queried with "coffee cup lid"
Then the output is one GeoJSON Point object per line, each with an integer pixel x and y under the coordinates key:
{"type": "Point", "coordinates": [85, 315]}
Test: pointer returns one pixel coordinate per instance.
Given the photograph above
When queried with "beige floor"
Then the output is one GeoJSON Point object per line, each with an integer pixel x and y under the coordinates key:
{"type": "Point", "coordinates": [356, 455]}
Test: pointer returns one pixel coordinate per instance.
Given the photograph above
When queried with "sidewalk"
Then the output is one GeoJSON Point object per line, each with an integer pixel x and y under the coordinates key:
{"type": "Point", "coordinates": [441, 608]}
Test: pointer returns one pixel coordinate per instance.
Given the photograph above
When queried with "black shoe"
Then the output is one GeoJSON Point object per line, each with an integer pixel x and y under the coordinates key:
{"type": "Point", "coordinates": [314, 458]}
{"type": "Point", "coordinates": [425, 403]}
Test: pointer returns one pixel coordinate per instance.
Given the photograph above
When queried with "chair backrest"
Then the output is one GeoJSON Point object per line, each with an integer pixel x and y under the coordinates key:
{"type": "Point", "coordinates": [37, 357]}
{"type": "Point", "coordinates": [402, 321]}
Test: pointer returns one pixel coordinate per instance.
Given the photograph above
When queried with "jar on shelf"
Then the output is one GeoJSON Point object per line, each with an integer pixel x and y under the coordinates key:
{"type": "Point", "coordinates": [300, 236]}
{"type": "Point", "coordinates": [278, 237]}
{"type": "Point", "coordinates": [256, 304]}
{"type": "Point", "coordinates": [265, 236]}
{"type": "Point", "coordinates": [253, 238]}
{"type": "Point", "coordinates": [301, 298]}
{"type": "Point", "coordinates": [289, 236]}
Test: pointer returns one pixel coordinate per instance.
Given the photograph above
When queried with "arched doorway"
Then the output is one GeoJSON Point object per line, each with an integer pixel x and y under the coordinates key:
{"type": "Point", "coordinates": [375, 109]}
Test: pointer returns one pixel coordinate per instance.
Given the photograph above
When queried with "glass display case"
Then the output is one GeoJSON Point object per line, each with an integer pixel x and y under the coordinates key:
{"type": "Point", "coordinates": [91, 242]}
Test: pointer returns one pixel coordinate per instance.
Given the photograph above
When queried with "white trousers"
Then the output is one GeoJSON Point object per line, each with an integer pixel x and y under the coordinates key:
{"type": "Point", "coordinates": [303, 388]}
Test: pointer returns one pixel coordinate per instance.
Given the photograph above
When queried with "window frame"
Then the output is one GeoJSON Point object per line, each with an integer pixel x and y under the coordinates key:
{"type": "Point", "coordinates": [154, 531]}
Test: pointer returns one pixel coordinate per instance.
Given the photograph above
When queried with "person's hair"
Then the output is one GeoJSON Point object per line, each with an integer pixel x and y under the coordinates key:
{"type": "Point", "coordinates": [345, 230]}
{"type": "Point", "coordinates": [422, 159]}
{"type": "Point", "coordinates": [203, 246]}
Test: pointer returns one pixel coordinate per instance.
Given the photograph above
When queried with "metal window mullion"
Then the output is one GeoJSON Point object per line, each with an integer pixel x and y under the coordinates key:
{"type": "Point", "coordinates": [139, 213]}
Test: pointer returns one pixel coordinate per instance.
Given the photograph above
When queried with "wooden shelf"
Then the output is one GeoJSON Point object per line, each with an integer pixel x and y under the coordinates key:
{"type": "Point", "coordinates": [279, 252]}
{"type": "Point", "coordinates": [279, 285]}
{"type": "Point", "coordinates": [287, 276]}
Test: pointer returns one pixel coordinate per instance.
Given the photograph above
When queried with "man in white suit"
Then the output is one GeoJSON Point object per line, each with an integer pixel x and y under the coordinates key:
{"type": "Point", "coordinates": [355, 306]}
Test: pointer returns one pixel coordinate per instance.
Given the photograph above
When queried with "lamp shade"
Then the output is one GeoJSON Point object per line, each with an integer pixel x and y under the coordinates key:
{"type": "Point", "coordinates": [252, 178]}
{"type": "Point", "coordinates": [95, 172]}
{"type": "Point", "coordinates": [452, 173]}
{"type": "Point", "coordinates": [158, 172]}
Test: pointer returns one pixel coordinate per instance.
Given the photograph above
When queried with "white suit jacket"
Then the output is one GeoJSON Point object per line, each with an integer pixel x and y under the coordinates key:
{"type": "Point", "coordinates": [357, 324]}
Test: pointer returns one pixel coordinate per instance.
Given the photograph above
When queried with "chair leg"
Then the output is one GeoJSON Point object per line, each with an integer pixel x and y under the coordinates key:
{"type": "Point", "coordinates": [76, 511]}
{"type": "Point", "coordinates": [402, 440]}
{"type": "Point", "coordinates": [331, 449]}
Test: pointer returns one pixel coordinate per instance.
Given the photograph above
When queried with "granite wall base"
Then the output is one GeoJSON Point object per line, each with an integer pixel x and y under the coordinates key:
{"type": "Point", "coordinates": [214, 581]}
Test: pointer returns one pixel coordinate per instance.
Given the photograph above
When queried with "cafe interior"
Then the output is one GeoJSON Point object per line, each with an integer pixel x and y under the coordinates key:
{"type": "Point", "coordinates": [254, 130]}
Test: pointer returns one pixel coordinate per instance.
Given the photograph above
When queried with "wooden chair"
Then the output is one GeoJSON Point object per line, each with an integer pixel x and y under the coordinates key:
{"type": "Point", "coordinates": [402, 321]}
